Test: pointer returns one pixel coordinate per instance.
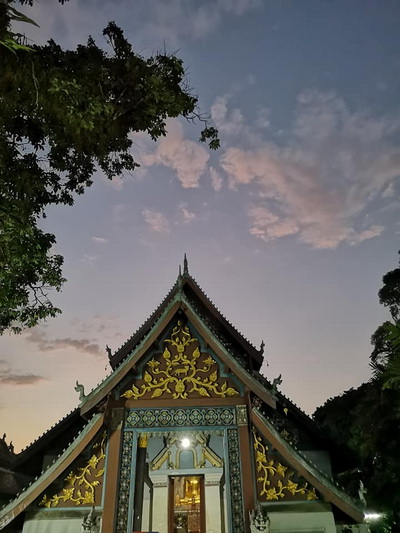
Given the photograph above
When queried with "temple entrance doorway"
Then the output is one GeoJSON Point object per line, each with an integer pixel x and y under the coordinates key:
{"type": "Point", "coordinates": [186, 504]}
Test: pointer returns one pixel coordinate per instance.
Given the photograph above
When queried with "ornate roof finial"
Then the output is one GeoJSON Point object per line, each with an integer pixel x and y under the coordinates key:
{"type": "Point", "coordinates": [277, 381]}
{"type": "Point", "coordinates": [185, 265]}
{"type": "Point", "coordinates": [180, 271]}
{"type": "Point", "coordinates": [81, 389]}
{"type": "Point", "coordinates": [262, 346]}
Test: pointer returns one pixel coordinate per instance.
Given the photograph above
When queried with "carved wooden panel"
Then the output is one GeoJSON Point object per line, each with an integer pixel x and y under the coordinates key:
{"type": "Point", "coordinates": [181, 371]}
{"type": "Point", "coordinates": [276, 481]}
{"type": "Point", "coordinates": [83, 484]}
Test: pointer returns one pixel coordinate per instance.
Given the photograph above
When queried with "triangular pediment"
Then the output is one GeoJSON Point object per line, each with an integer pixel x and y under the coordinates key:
{"type": "Point", "coordinates": [182, 366]}
{"type": "Point", "coordinates": [223, 370]}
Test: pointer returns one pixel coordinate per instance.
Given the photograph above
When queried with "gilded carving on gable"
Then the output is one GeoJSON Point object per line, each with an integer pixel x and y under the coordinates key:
{"type": "Point", "coordinates": [275, 481]}
{"type": "Point", "coordinates": [82, 482]}
{"type": "Point", "coordinates": [181, 372]}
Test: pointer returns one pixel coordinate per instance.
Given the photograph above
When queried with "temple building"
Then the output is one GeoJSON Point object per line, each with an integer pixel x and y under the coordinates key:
{"type": "Point", "coordinates": [185, 435]}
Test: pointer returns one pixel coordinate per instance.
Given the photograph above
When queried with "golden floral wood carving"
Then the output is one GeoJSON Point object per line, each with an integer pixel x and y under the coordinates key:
{"type": "Point", "coordinates": [181, 371]}
{"type": "Point", "coordinates": [81, 489]}
{"type": "Point", "coordinates": [272, 472]}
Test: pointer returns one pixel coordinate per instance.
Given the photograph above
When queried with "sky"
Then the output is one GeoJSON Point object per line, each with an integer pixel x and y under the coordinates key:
{"type": "Point", "coordinates": [288, 227]}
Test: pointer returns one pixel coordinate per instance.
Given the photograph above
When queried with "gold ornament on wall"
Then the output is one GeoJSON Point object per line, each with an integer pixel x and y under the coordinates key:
{"type": "Point", "coordinates": [274, 479]}
{"type": "Point", "coordinates": [80, 489]}
{"type": "Point", "coordinates": [181, 371]}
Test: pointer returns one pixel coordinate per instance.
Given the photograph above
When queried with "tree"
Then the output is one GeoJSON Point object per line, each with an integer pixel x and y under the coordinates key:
{"type": "Point", "coordinates": [389, 296]}
{"type": "Point", "coordinates": [367, 419]}
{"type": "Point", "coordinates": [390, 375]}
{"type": "Point", "coordinates": [64, 114]}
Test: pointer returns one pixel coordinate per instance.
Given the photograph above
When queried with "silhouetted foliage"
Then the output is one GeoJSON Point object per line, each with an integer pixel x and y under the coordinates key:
{"type": "Point", "coordinates": [389, 296]}
{"type": "Point", "coordinates": [63, 115]}
{"type": "Point", "coordinates": [367, 419]}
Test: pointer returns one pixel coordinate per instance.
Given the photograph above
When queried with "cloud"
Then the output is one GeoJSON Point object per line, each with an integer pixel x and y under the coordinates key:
{"type": "Point", "coordinates": [44, 344]}
{"type": "Point", "coordinates": [216, 179]}
{"type": "Point", "coordinates": [187, 158]}
{"type": "Point", "coordinates": [90, 259]}
{"type": "Point", "coordinates": [100, 240]}
{"type": "Point", "coordinates": [118, 211]}
{"type": "Point", "coordinates": [107, 325]}
{"type": "Point", "coordinates": [263, 120]}
{"type": "Point", "coordinates": [156, 221]}
{"type": "Point", "coordinates": [187, 215]}
{"type": "Point", "coordinates": [268, 226]}
{"type": "Point", "coordinates": [154, 23]}
{"type": "Point", "coordinates": [389, 192]}
{"type": "Point", "coordinates": [8, 377]}
{"type": "Point", "coordinates": [231, 123]}
{"type": "Point", "coordinates": [370, 233]}
{"type": "Point", "coordinates": [322, 177]}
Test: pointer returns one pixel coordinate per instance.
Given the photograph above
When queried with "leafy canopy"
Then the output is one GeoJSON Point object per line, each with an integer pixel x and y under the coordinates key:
{"type": "Point", "coordinates": [64, 114]}
{"type": "Point", "coordinates": [367, 419]}
{"type": "Point", "coordinates": [382, 340]}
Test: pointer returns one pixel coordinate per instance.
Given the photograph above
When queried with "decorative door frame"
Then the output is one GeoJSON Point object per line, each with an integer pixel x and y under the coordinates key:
{"type": "Point", "coordinates": [159, 420]}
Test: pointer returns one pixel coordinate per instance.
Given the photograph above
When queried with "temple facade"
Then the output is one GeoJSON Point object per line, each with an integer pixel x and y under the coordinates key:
{"type": "Point", "coordinates": [185, 435]}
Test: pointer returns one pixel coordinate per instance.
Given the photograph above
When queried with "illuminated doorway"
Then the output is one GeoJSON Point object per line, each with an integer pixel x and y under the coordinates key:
{"type": "Point", "coordinates": [186, 504]}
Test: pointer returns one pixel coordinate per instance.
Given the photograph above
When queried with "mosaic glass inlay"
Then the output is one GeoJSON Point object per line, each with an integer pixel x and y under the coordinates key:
{"type": "Point", "coordinates": [235, 481]}
{"type": "Point", "coordinates": [150, 418]}
{"type": "Point", "coordinates": [124, 482]}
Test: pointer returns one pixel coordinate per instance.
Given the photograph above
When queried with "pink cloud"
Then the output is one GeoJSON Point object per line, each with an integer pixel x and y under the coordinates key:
{"type": "Point", "coordinates": [216, 179]}
{"type": "Point", "coordinates": [333, 165]}
{"type": "Point", "coordinates": [156, 221]}
{"type": "Point", "coordinates": [268, 226]}
{"type": "Point", "coordinates": [187, 215]}
{"type": "Point", "coordinates": [100, 240]}
{"type": "Point", "coordinates": [44, 344]}
{"type": "Point", "coordinates": [187, 158]}
{"type": "Point", "coordinates": [10, 377]}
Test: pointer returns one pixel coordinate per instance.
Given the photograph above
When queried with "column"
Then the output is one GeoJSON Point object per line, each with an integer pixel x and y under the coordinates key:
{"type": "Point", "coordinates": [212, 502]}
{"type": "Point", "coordinates": [160, 502]}
{"type": "Point", "coordinates": [112, 474]}
{"type": "Point", "coordinates": [139, 481]}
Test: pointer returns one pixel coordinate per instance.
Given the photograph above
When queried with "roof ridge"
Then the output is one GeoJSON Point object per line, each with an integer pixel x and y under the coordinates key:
{"type": "Point", "coordinates": [223, 316]}
{"type": "Point", "coordinates": [46, 431]}
{"type": "Point", "coordinates": [163, 301]}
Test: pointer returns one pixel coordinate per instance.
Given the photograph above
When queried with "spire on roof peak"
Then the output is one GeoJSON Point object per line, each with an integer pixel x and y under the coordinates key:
{"type": "Point", "coordinates": [185, 265]}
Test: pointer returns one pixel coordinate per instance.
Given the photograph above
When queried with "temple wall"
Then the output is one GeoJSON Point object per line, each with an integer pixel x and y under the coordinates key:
{"type": "Point", "coordinates": [57, 522]}
{"type": "Point", "coordinates": [56, 525]}
{"type": "Point", "coordinates": [302, 522]}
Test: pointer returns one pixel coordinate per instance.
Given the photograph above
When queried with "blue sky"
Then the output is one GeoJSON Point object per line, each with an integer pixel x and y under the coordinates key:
{"type": "Point", "coordinates": [288, 228]}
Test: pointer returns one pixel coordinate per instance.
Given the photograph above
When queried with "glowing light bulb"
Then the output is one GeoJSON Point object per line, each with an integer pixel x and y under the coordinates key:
{"type": "Point", "coordinates": [185, 442]}
{"type": "Point", "coordinates": [373, 516]}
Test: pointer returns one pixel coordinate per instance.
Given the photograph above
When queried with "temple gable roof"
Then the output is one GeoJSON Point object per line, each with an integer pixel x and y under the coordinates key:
{"type": "Point", "coordinates": [271, 413]}
{"type": "Point", "coordinates": [186, 286]}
